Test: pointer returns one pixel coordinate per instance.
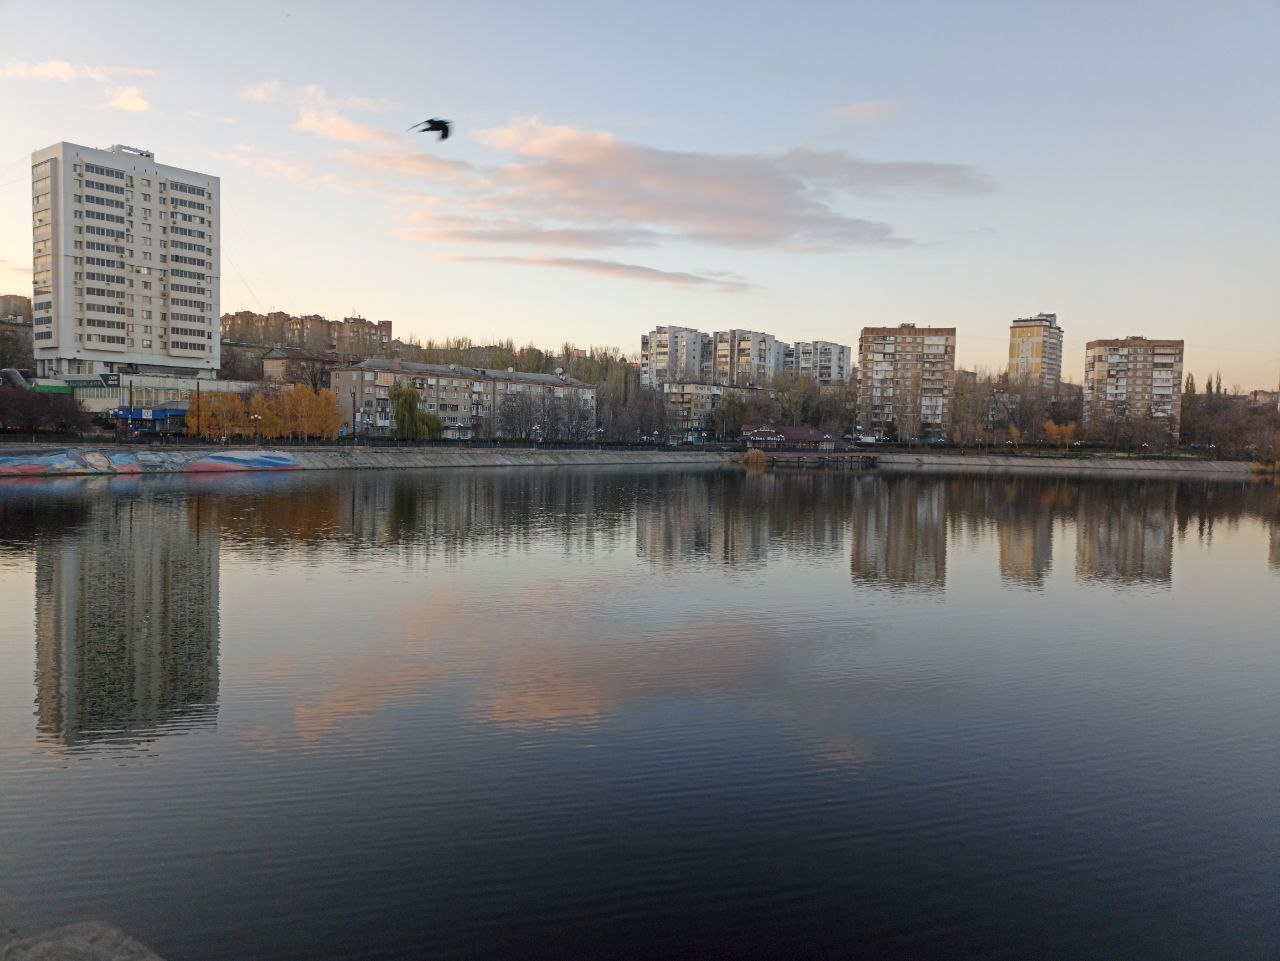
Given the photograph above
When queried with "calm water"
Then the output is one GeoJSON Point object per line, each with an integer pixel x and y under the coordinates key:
{"type": "Point", "coordinates": [598, 714]}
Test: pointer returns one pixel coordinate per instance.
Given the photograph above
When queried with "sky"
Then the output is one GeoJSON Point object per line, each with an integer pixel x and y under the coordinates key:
{"type": "Point", "coordinates": [805, 169]}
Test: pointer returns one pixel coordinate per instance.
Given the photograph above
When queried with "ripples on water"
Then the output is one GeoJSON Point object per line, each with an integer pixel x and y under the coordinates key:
{"type": "Point", "coordinates": [558, 714]}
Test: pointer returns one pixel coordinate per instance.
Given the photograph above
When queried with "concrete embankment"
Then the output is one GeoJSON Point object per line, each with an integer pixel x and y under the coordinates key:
{"type": "Point", "coordinates": [70, 461]}
{"type": "Point", "coordinates": [906, 462]}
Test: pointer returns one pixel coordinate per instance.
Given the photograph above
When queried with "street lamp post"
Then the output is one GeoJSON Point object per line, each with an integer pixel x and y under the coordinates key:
{"type": "Point", "coordinates": [257, 437]}
{"type": "Point", "coordinates": [353, 416]}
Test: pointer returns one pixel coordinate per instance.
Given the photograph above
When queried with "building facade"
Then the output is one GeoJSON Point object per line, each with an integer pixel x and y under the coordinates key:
{"type": "Point", "coordinates": [1133, 379]}
{"type": "Point", "coordinates": [466, 399]}
{"type": "Point", "coordinates": [15, 308]}
{"type": "Point", "coordinates": [906, 380]}
{"type": "Point", "coordinates": [1035, 351]}
{"type": "Point", "coordinates": [669, 354]}
{"type": "Point", "coordinates": [689, 406]}
{"type": "Point", "coordinates": [353, 336]}
{"type": "Point", "coordinates": [745, 358]}
{"type": "Point", "coordinates": [827, 363]}
{"type": "Point", "coordinates": [125, 264]}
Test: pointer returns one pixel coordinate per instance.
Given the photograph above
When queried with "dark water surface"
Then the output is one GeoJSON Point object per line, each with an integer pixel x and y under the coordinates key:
{"type": "Point", "coordinates": [602, 714]}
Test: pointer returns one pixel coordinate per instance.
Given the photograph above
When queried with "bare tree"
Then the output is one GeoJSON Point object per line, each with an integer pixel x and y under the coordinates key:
{"type": "Point", "coordinates": [517, 415]}
{"type": "Point", "coordinates": [311, 371]}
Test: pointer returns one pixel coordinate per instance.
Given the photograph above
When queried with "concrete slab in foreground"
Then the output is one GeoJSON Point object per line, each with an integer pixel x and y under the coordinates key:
{"type": "Point", "coordinates": [84, 941]}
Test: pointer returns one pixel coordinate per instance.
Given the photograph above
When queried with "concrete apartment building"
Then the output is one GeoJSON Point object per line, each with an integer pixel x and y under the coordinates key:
{"type": "Point", "coordinates": [745, 358]}
{"type": "Point", "coordinates": [906, 380]}
{"type": "Point", "coordinates": [1133, 379]}
{"type": "Point", "coordinates": [15, 308]}
{"type": "Point", "coordinates": [689, 405]}
{"type": "Point", "coordinates": [828, 363]}
{"type": "Point", "coordinates": [125, 264]}
{"type": "Point", "coordinates": [669, 354]}
{"type": "Point", "coordinates": [1035, 351]}
{"type": "Point", "coordinates": [466, 399]}
{"type": "Point", "coordinates": [353, 336]}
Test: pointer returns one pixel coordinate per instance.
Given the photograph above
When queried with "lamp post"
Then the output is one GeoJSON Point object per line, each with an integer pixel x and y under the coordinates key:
{"type": "Point", "coordinates": [257, 437]}
{"type": "Point", "coordinates": [353, 415]}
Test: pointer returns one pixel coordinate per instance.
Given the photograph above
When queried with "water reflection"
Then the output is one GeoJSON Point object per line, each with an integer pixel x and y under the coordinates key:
{"type": "Point", "coordinates": [126, 618]}
{"type": "Point", "coordinates": [899, 534]}
{"type": "Point", "coordinates": [127, 573]}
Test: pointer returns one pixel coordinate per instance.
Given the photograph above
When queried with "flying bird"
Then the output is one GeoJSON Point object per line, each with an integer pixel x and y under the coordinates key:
{"type": "Point", "coordinates": [433, 126]}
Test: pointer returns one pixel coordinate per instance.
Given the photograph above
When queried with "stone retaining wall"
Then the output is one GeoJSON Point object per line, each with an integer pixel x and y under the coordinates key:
{"type": "Point", "coordinates": [64, 461]}
{"type": "Point", "coordinates": [931, 463]}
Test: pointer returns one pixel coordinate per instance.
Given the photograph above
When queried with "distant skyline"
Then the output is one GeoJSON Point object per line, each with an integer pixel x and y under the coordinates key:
{"type": "Point", "coordinates": [807, 169]}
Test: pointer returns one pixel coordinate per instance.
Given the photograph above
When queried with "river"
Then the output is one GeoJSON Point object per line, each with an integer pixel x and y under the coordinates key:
{"type": "Point", "coordinates": [599, 713]}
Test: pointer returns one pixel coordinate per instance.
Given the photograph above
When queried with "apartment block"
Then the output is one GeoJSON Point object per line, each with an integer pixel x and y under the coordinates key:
{"type": "Point", "coordinates": [1035, 351]}
{"type": "Point", "coordinates": [15, 308]}
{"type": "Point", "coordinates": [906, 380]}
{"type": "Point", "coordinates": [669, 354]}
{"type": "Point", "coordinates": [745, 358]}
{"type": "Point", "coordinates": [690, 405]}
{"type": "Point", "coordinates": [351, 335]}
{"type": "Point", "coordinates": [828, 363]}
{"type": "Point", "coordinates": [125, 264]}
{"type": "Point", "coordinates": [1133, 378]}
{"type": "Point", "coordinates": [466, 399]}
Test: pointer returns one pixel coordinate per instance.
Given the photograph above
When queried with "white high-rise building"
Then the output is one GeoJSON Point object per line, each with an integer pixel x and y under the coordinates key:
{"type": "Point", "coordinates": [125, 264]}
{"type": "Point", "coordinates": [826, 362]}
{"type": "Point", "coordinates": [671, 354]}
{"type": "Point", "coordinates": [745, 358]}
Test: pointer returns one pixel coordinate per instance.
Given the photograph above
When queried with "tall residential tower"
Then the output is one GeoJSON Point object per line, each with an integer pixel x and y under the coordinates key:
{"type": "Point", "coordinates": [1035, 351]}
{"type": "Point", "coordinates": [1133, 379]}
{"type": "Point", "coordinates": [906, 380]}
{"type": "Point", "coordinates": [125, 264]}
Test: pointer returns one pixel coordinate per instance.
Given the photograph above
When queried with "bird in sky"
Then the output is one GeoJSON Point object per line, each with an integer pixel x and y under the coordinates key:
{"type": "Point", "coordinates": [433, 126]}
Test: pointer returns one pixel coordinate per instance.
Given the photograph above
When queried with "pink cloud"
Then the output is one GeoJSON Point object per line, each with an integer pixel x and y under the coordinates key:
{"type": "Point", "coordinates": [615, 269]}
{"type": "Point", "coordinates": [863, 112]}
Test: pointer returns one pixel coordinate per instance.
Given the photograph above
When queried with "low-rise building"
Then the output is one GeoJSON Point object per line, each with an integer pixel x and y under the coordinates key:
{"type": "Point", "coordinates": [774, 437]}
{"type": "Point", "coordinates": [294, 365]}
{"type": "Point", "coordinates": [466, 399]}
{"type": "Point", "coordinates": [690, 407]}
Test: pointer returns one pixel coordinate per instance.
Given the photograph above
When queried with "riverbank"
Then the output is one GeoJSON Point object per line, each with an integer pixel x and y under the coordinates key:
{"type": "Point", "coordinates": [1040, 466]}
{"type": "Point", "coordinates": [62, 461]}
{"type": "Point", "coordinates": [38, 462]}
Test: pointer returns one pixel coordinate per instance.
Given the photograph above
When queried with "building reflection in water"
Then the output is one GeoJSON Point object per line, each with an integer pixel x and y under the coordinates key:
{"type": "Point", "coordinates": [1024, 523]}
{"type": "Point", "coordinates": [899, 534]}
{"type": "Point", "coordinates": [1125, 537]}
{"type": "Point", "coordinates": [127, 620]}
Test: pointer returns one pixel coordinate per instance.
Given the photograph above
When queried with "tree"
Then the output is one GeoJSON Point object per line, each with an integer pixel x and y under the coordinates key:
{"type": "Point", "coordinates": [578, 420]}
{"type": "Point", "coordinates": [226, 416]}
{"type": "Point", "coordinates": [264, 416]}
{"type": "Point", "coordinates": [407, 414]}
{"type": "Point", "coordinates": [15, 347]}
{"type": "Point", "coordinates": [730, 417]}
{"type": "Point", "coordinates": [517, 415]}
{"type": "Point", "coordinates": [797, 398]}
{"type": "Point", "coordinates": [311, 371]}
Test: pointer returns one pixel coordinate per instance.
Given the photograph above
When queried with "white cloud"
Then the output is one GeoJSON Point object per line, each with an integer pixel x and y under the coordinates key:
{"type": "Point", "coordinates": [322, 115]}
{"type": "Point", "coordinates": [863, 112]}
{"type": "Point", "coordinates": [130, 99]}
{"type": "Point", "coordinates": [266, 92]}
{"type": "Point", "coordinates": [65, 72]}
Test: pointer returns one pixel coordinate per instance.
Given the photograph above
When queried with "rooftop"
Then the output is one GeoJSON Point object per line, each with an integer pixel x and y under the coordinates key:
{"type": "Point", "coordinates": [458, 370]}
